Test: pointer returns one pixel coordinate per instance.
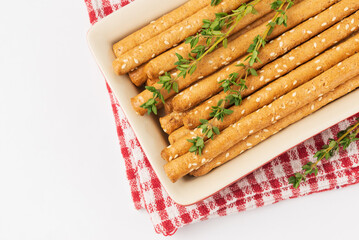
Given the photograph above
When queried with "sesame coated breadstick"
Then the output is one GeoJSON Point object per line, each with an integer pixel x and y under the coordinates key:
{"type": "Point", "coordinates": [210, 63]}
{"type": "Point", "coordinates": [178, 134]}
{"type": "Point", "coordinates": [138, 76]}
{"type": "Point", "coordinates": [158, 26]}
{"type": "Point", "coordinates": [166, 61]}
{"type": "Point", "coordinates": [210, 86]}
{"type": "Point", "coordinates": [264, 134]}
{"type": "Point", "coordinates": [280, 66]}
{"type": "Point", "coordinates": [171, 121]}
{"type": "Point", "coordinates": [174, 35]}
{"type": "Point", "coordinates": [272, 91]}
{"type": "Point", "coordinates": [264, 117]}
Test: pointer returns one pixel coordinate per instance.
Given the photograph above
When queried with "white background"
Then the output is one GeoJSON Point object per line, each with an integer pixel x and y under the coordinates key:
{"type": "Point", "coordinates": [61, 171]}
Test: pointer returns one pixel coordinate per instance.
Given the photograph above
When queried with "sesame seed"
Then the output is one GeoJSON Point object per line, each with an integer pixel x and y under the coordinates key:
{"type": "Point", "coordinates": [227, 155]}
{"type": "Point", "coordinates": [249, 144]}
{"type": "Point", "coordinates": [324, 24]}
{"type": "Point", "coordinates": [318, 68]}
{"type": "Point", "coordinates": [166, 42]}
{"type": "Point", "coordinates": [334, 18]}
{"type": "Point", "coordinates": [346, 9]}
{"type": "Point", "coordinates": [295, 82]}
{"type": "Point", "coordinates": [294, 94]}
{"type": "Point", "coordinates": [268, 88]}
{"type": "Point", "coordinates": [291, 58]}
{"type": "Point", "coordinates": [123, 66]}
{"type": "Point", "coordinates": [258, 99]}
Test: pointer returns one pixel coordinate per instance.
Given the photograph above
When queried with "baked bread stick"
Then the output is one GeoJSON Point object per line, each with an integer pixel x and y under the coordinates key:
{"type": "Point", "coordinates": [178, 134]}
{"type": "Point", "coordinates": [171, 122]}
{"type": "Point", "coordinates": [264, 134]}
{"type": "Point", "coordinates": [158, 26]}
{"type": "Point", "coordinates": [264, 117]}
{"type": "Point", "coordinates": [174, 35]}
{"type": "Point", "coordinates": [165, 62]}
{"type": "Point", "coordinates": [210, 63]}
{"type": "Point", "coordinates": [138, 76]}
{"type": "Point", "coordinates": [210, 86]}
{"type": "Point", "coordinates": [272, 91]}
{"type": "Point", "coordinates": [280, 66]}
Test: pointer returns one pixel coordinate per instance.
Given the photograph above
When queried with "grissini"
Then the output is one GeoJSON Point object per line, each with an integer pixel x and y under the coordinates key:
{"type": "Point", "coordinates": [210, 86]}
{"type": "Point", "coordinates": [171, 121]}
{"type": "Point", "coordinates": [138, 76]}
{"type": "Point", "coordinates": [264, 117]}
{"type": "Point", "coordinates": [281, 66]}
{"type": "Point", "coordinates": [166, 61]}
{"type": "Point", "coordinates": [158, 26]}
{"type": "Point", "coordinates": [272, 91]}
{"type": "Point", "coordinates": [172, 36]}
{"type": "Point", "coordinates": [264, 134]}
{"type": "Point", "coordinates": [178, 134]}
{"type": "Point", "coordinates": [210, 63]}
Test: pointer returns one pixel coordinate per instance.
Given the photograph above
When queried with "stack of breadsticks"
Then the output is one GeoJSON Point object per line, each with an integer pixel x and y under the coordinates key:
{"type": "Point", "coordinates": [308, 63]}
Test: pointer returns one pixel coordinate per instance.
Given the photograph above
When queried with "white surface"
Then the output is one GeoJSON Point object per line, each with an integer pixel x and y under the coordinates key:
{"type": "Point", "coordinates": [61, 173]}
{"type": "Point", "coordinates": [186, 191]}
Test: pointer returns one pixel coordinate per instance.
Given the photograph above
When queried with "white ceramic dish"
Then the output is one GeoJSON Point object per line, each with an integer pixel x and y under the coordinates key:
{"type": "Point", "coordinates": [190, 190]}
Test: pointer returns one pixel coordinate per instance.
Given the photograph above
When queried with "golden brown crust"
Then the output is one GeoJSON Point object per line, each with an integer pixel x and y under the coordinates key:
{"type": "Point", "coordinates": [158, 26]}
{"type": "Point", "coordinates": [167, 39]}
{"type": "Point", "coordinates": [209, 86]}
{"type": "Point", "coordinates": [264, 117]}
{"type": "Point", "coordinates": [213, 61]}
{"type": "Point", "coordinates": [138, 76]}
{"type": "Point", "coordinates": [272, 91]}
{"type": "Point", "coordinates": [262, 135]}
{"type": "Point", "coordinates": [166, 61]}
{"type": "Point", "coordinates": [272, 70]}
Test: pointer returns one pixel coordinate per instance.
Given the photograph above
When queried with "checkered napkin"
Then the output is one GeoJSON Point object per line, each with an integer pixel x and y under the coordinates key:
{"type": "Point", "coordinates": [266, 185]}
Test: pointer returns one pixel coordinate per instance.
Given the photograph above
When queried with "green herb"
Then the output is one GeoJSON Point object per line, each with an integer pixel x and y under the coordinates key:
{"type": "Point", "coordinates": [208, 131]}
{"type": "Point", "coordinates": [220, 111]}
{"type": "Point", "coordinates": [215, 2]}
{"type": "Point", "coordinates": [345, 138]}
{"type": "Point", "coordinates": [150, 105]}
{"type": "Point", "coordinates": [198, 145]}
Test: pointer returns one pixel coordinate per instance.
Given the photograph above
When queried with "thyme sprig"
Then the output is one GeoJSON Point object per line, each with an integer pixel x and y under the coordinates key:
{"type": "Point", "coordinates": [280, 18]}
{"type": "Point", "coordinates": [212, 32]}
{"type": "Point", "coordinates": [168, 84]}
{"type": "Point", "coordinates": [345, 138]}
{"type": "Point", "coordinates": [208, 130]}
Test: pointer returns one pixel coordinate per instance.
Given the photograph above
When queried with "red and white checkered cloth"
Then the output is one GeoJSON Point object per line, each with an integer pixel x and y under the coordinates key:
{"type": "Point", "coordinates": [265, 186]}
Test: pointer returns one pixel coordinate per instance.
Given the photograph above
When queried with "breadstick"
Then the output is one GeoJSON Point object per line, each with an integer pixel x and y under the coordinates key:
{"type": "Point", "coordinates": [280, 66]}
{"type": "Point", "coordinates": [210, 63]}
{"type": "Point", "coordinates": [174, 35]}
{"type": "Point", "coordinates": [171, 122]}
{"type": "Point", "coordinates": [168, 106]}
{"type": "Point", "coordinates": [210, 86]}
{"type": "Point", "coordinates": [264, 117]}
{"type": "Point", "coordinates": [138, 76]}
{"type": "Point", "coordinates": [158, 26]}
{"type": "Point", "coordinates": [166, 61]}
{"type": "Point", "coordinates": [272, 91]}
{"type": "Point", "coordinates": [262, 135]}
{"type": "Point", "coordinates": [178, 134]}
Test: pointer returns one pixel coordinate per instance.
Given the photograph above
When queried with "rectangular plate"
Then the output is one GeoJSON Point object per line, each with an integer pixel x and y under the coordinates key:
{"type": "Point", "coordinates": [189, 190]}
